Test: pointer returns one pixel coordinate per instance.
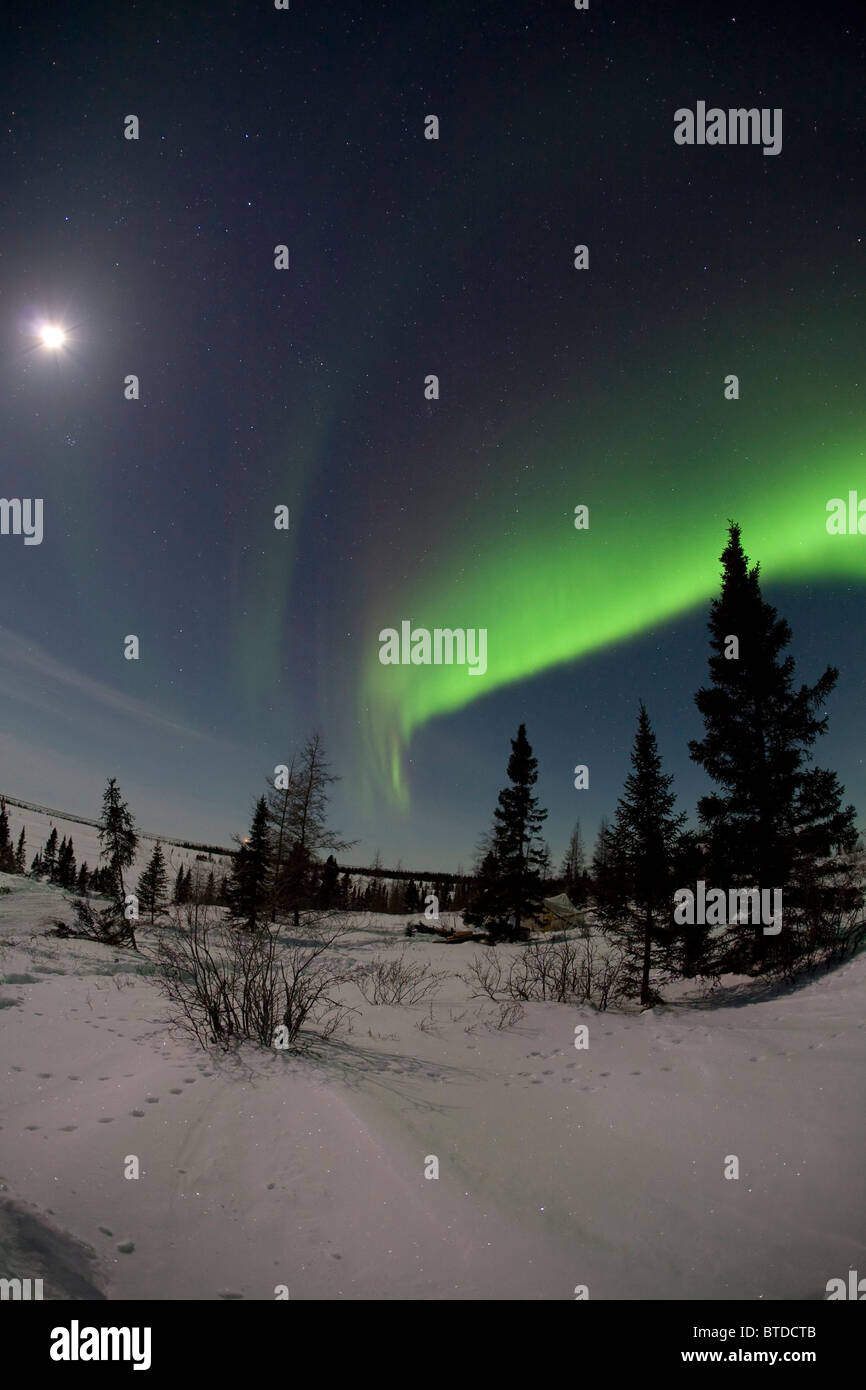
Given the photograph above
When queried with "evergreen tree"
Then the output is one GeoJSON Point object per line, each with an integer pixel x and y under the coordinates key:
{"type": "Point", "coordinates": [153, 883]}
{"type": "Point", "coordinates": [49, 855]}
{"type": "Point", "coordinates": [118, 838]}
{"type": "Point", "coordinates": [609, 876]}
{"type": "Point", "coordinates": [250, 887]}
{"type": "Point", "coordinates": [345, 892]}
{"type": "Point", "coordinates": [83, 879]}
{"type": "Point", "coordinates": [7, 854]}
{"type": "Point", "coordinates": [573, 867]}
{"type": "Point", "coordinates": [774, 822]}
{"type": "Point", "coordinates": [179, 896]}
{"type": "Point", "coordinates": [512, 889]}
{"type": "Point", "coordinates": [410, 897]}
{"type": "Point", "coordinates": [20, 860]}
{"type": "Point", "coordinates": [644, 848]}
{"type": "Point", "coordinates": [484, 907]}
{"type": "Point", "coordinates": [65, 869]}
{"type": "Point", "coordinates": [210, 890]}
{"type": "Point", "coordinates": [329, 884]}
{"type": "Point", "coordinates": [37, 868]}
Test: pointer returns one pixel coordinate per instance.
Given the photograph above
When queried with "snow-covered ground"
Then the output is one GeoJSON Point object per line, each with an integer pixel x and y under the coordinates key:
{"type": "Point", "coordinates": [558, 1167]}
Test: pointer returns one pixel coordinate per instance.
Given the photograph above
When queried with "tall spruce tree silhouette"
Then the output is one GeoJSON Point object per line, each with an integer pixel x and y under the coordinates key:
{"type": "Point", "coordinates": [644, 846]}
{"type": "Point", "coordinates": [776, 822]}
{"type": "Point", "coordinates": [511, 888]}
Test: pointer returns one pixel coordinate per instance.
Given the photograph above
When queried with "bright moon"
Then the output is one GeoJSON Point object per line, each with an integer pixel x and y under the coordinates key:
{"type": "Point", "coordinates": [53, 337]}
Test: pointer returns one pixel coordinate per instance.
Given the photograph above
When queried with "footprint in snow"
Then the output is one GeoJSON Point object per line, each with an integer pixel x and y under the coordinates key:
{"type": "Point", "coordinates": [152, 1100]}
{"type": "Point", "coordinates": [139, 1114]}
{"type": "Point", "coordinates": [175, 1091]}
{"type": "Point", "coordinates": [106, 1120]}
{"type": "Point", "coordinates": [67, 1129]}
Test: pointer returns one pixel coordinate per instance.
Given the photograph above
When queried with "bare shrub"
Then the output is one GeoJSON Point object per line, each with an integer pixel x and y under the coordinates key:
{"type": "Point", "coordinates": [397, 981]}
{"type": "Point", "coordinates": [562, 970]}
{"type": "Point", "coordinates": [483, 975]}
{"type": "Point", "coordinates": [508, 1013]}
{"type": "Point", "coordinates": [225, 983]}
{"type": "Point", "coordinates": [609, 981]}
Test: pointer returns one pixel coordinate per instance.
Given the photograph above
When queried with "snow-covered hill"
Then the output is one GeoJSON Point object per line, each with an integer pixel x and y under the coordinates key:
{"type": "Point", "coordinates": [38, 824]}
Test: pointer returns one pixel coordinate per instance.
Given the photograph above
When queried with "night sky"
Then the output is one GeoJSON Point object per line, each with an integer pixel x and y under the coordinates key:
{"type": "Point", "coordinates": [306, 387]}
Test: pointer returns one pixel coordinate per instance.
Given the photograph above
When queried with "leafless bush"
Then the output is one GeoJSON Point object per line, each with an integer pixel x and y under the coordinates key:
{"type": "Point", "coordinates": [483, 975]}
{"type": "Point", "coordinates": [427, 1023]}
{"type": "Point", "coordinates": [565, 970]}
{"type": "Point", "coordinates": [226, 984]}
{"type": "Point", "coordinates": [396, 981]}
{"type": "Point", "coordinates": [508, 1013]}
{"type": "Point", "coordinates": [609, 981]}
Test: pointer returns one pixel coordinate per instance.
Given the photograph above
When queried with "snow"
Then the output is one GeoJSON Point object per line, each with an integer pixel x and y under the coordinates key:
{"type": "Point", "coordinates": [557, 1166]}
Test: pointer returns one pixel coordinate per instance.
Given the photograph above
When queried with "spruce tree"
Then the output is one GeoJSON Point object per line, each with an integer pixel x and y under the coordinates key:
{"type": "Point", "coordinates": [250, 885]}
{"type": "Point", "coordinates": [83, 879]}
{"type": "Point", "coordinates": [49, 855]}
{"type": "Point", "coordinates": [65, 869]}
{"type": "Point", "coordinates": [510, 883]}
{"type": "Point", "coordinates": [20, 860]}
{"type": "Point", "coordinates": [774, 822]}
{"type": "Point", "coordinates": [573, 867]}
{"type": "Point", "coordinates": [118, 838]}
{"type": "Point", "coordinates": [345, 892]}
{"type": "Point", "coordinates": [153, 883]}
{"type": "Point", "coordinates": [328, 886]}
{"type": "Point", "coordinates": [644, 847]}
{"type": "Point", "coordinates": [7, 854]}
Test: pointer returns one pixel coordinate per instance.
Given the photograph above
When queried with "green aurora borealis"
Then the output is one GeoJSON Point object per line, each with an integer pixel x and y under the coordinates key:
{"type": "Point", "coordinates": [549, 594]}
